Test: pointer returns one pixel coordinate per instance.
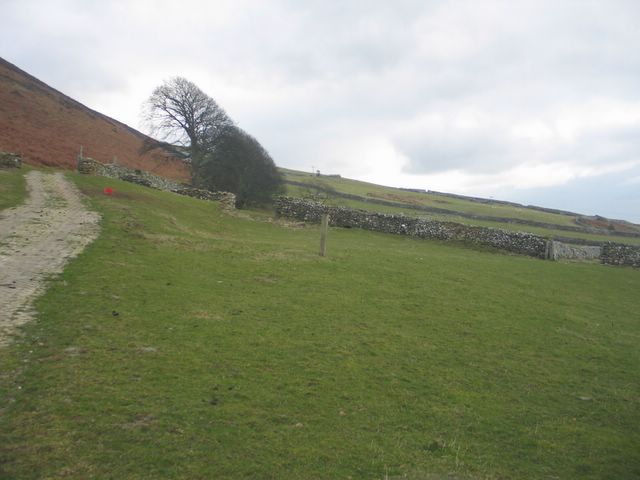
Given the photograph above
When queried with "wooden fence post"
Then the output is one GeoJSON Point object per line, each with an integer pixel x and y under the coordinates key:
{"type": "Point", "coordinates": [324, 228]}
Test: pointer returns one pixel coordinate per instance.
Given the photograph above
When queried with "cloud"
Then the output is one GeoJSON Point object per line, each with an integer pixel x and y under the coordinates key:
{"type": "Point", "coordinates": [474, 97]}
{"type": "Point", "coordinates": [586, 194]}
{"type": "Point", "coordinates": [485, 143]}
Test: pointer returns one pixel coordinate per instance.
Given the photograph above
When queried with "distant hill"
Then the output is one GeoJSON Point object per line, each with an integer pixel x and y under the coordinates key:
{"type": "Point", "coordinates": [559, 224]}
{"type": "Point", "coordinates": [47, 127]}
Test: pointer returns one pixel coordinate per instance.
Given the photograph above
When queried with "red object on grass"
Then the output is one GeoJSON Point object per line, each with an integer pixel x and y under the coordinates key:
{"type": "Point", "coordinates": [108, 190]}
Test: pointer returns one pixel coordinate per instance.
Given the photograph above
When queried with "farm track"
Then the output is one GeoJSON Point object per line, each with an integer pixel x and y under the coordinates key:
{"type": "Point", "coordinates": [36, 240]}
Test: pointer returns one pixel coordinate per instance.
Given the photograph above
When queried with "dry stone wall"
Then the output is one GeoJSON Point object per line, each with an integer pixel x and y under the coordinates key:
{"type": "Point", "coordinates": [226, 199]}
{"type": "Point", "coordinates": [516, 242]}
{"type": "Point", "coordinates": [560, 250]}
{"type": "Point", "coordinates": [472, 216]}
{"type": "Point", "coordinates": [10, 160]}
{"type": "Point", "coordinates": [309, 211]}
{"type": "Point", "coordinates": [619, 254]}
{"type": "Point", "coordinates": [91, 167]}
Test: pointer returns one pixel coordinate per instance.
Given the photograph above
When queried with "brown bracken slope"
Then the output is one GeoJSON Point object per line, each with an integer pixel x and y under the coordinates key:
{"type": "Point", "coordinates": [48, 127]}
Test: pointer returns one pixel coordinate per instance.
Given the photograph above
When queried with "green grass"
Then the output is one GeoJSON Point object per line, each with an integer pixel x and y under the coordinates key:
{"type": "Point", "coordinates": [329, 199]}
{"type": "Point", "coordinates": [237, 352]}
{"type": "Point", "coordinates": [545, 232]}
{"type": "Point", "coordinates": [365, 189]}
{"type": "Point", "coordinates": [13, 187]}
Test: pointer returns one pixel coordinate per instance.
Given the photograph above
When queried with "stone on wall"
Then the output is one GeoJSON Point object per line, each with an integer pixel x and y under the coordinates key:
{"type": "Point", "coordinates": [619, 254]}
{"type": "Point", "coordinates": [88, 166]}
{"type": "Point", "coordinates": [560, 250]}
{"type": "Point", "coordinates": [138, 179]}
{"type": "Point", "coordinates": [227, 199]}
{"type": "Point", "coordinates": [10, 160]}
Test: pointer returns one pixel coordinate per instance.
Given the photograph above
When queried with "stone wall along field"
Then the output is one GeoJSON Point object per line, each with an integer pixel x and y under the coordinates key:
{"type": "Point", "coordinates": [10, 160]}
{"type": "Point", "coordinates": [560, 250]}
{"type": "Point", "coordinates": [516, 242]}
{"type": "Point", "coordinates": [619, 254]}
{"type": "Point", "coordinates": [473, 216]}
{"type": "Point", "coordinates": [88, 166]}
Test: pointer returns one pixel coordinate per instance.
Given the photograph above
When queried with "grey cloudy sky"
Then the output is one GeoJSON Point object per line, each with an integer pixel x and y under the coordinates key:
{"type": "Point", "coordinates": [534, 101]}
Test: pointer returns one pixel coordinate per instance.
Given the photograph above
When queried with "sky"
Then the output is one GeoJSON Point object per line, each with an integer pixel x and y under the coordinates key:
{"type": "Point", "coordinates": [531, 101]}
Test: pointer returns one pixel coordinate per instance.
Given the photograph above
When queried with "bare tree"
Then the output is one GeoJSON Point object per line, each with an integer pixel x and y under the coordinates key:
{"type": "Point", "coordinates": [179, 112]}
{"type": "Point", "coordinates": [222, 155]}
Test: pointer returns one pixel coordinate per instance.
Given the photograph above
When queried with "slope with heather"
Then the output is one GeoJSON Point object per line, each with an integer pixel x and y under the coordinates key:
{"type": "Point", "coordinates": [48, 128]}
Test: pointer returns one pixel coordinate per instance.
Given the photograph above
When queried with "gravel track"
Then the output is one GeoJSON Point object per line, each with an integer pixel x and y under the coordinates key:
{"type": "Point", "coordinates": [36, 240]}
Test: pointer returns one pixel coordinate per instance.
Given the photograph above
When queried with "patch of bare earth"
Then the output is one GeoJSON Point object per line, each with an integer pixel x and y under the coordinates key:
{"type": "Point", "coordinates": [36, 240]}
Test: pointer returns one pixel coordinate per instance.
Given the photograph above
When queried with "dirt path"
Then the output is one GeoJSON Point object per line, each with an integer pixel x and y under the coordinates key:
{"type": "Point", "coordinates": [36, 240]}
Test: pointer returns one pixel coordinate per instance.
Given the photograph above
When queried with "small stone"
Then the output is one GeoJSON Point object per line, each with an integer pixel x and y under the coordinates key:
{"type": "Point", "coordinates": [299, 425]}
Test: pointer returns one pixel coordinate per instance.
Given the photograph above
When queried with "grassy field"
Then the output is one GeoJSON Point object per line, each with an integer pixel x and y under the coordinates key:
{"type": "Point", "coordinates": [372, 190]}
{"type": "Point", "coordinates": [13, 187]}
{"type": "Point", "coordinates": [544, 232]}
{"type": "Point", "coordinates": [368, 190]}
{"type": "Point", "coordinates": [187, 343]}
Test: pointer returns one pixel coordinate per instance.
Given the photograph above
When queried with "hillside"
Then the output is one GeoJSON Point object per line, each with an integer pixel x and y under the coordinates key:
{"type": "Point", "coordinates": [189, 343]}
{"type": "Point", "coordinates": [48, 127]}
{"type": "Point", "coordinates": [565, 226]}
